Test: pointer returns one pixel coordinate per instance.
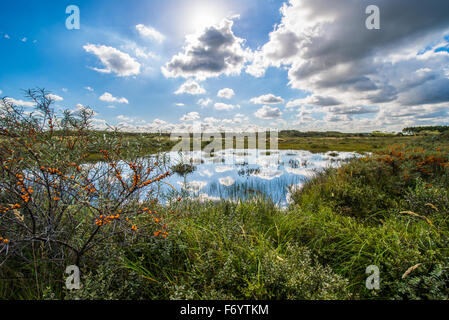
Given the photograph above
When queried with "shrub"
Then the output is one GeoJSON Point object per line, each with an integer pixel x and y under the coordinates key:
{"type": "Point", "coordinates": [55, 206]}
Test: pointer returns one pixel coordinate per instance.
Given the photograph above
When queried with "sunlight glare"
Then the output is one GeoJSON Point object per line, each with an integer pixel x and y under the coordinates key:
{"type": "Point", "coordinates": [202, 14]}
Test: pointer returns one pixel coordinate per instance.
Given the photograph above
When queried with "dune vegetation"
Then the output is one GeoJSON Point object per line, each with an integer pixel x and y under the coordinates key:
{"type": "Point", "coordinates": [58, 207]}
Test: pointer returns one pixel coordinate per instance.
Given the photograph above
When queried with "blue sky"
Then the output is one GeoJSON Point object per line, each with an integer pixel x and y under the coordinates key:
{"type": "Point", "coordinates": [282, 71]}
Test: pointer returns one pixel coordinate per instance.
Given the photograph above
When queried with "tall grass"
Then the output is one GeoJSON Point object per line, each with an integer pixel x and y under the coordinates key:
{"type": "Point", "coordinates": [390, 209]}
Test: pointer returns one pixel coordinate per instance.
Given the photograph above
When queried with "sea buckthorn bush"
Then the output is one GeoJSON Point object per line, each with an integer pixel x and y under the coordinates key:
{"type": "Point", "coordinates": [377, 182]}
{"type": "Point", "coordinates": [56, 207]}
{"type": "Point", "coordinates": [388, 209]}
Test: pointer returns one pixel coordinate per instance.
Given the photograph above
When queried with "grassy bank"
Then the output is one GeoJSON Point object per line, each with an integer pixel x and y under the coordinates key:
{"type": "Point", "coordinates": [390, 210]}
{"type": "Point", "coordinates": [153, 143]}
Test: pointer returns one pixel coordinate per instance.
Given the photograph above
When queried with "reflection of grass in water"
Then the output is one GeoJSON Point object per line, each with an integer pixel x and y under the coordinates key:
{"type": "Point", "coordinates": [296, 164]}
{"type": "Point", "coordinates": [248, 172]}
{"type": "Point", "coordinates": [275, 189]}
{"type": "Point", "coordinates": [241, 153]}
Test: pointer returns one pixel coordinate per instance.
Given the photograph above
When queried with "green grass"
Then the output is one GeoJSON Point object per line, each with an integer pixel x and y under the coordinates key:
{"type": "Point", "coordinates": [342, 221]}
{"type": "Point", "coordinates": [150, 144]}
{"type": "Point", "coordinates": [347, 144]}
{"type": "Point", "coordinates": [390, 210]}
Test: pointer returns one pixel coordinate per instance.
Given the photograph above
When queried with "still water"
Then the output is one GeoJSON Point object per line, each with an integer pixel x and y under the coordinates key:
{"type": "Point", "coordinates": [241, 174]}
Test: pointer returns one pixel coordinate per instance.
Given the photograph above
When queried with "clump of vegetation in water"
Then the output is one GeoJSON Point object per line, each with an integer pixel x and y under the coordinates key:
{"type": "Point", "coordinates": [183, 169]}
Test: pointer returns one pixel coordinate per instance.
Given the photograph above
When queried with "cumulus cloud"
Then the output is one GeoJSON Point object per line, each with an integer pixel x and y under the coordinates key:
{"type": "Point", "coordinates": [79, 107]}
{"type": "Point", "coordinates": [226, 93]}
{"type": "Point", "coordinates": [21, 103]}
{"type": "Point", "coordinates": [192, 116]}
{"type": "Point", "coordinates": [7, 36]}
{"type": "Point", "coordinates": [267, 99]}
{"type": "Point", "coordinates": [329, 53]}
{"type": "Point", "coordinates": [54, 97]}
{"type": "Point", "coordinates": [150, 33]}
{"type": "Point", "coordinates": [107, 97]}
{"type": "Point", "coordinates": [314, 101]}
{"type": "Point", "coordinates": [114, 60]}
{"type": "Point", "coordinates": [204, 102]}
{"type": "Point", "coordinates": [348, 110]}
{"type": "Point", "coordinates": [210, 53]}
{"type": "Point", "coordinates": [267, 112]}
{"type": "Point", "coordinates": [89, 89]}
{"type": "Point", "coordinates": [191, 87]}
{"type": "Point", "coordinates": [143, 53]}
{"type": "Point", "coordinates": [224, 106]}
{"type": "Point", "coordinates": [179, 104]}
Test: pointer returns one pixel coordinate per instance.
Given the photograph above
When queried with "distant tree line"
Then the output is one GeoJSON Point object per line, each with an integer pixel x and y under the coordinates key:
{"type": "Point", "coordinates": [418, 130]}
{"type": "Point", "coordinates": [317, 134]}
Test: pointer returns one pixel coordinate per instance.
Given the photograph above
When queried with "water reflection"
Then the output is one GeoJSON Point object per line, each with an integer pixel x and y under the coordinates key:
{"type": "Point", "coordinates": [234, 174]}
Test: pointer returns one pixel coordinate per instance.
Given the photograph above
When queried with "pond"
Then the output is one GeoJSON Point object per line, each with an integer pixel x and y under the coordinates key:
{"type": "Point", "coordinates": [242, 174]}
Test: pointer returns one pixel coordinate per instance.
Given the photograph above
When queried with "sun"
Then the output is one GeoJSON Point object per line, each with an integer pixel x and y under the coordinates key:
{"type": "Point", "coordinates": [201, 14]}
{"type": "Point", "coordinates": [203, 17]}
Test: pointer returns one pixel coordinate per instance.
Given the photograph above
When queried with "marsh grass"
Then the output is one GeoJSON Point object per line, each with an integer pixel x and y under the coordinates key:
{"type": "Point", "coordinates": [389, 209]}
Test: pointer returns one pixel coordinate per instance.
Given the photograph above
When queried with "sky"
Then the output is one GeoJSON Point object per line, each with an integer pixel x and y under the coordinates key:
{"type": "Point", "coordinates": [145, 65]}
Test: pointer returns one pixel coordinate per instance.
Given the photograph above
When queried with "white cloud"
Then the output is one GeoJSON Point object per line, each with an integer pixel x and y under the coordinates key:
{"type": "Point", "coordinates": [210, 53]}
{"type": "Point", "coordinates": [100, 124]}
{"type": "Point", "coordinates": [221, 169]}
{"type": "Point", "coordinates": [211, 120]}
{"type": "Point", "coordinates": [224, 106]}
{"type": "Point", "coordinates": [7, 36]}
{"type": "Point", "coordinates": [191, 87]}
{"type": "Point", "coordinates": [54, 97]}
{"type": "Point", "coordinates": [65, 90]}
{"type": "Point", "coordinates": [150, 33]}
{"type": "Point", "coordinates": [268, 174]}
{"type": "Point", "coordinates": [329, 53]}
{"type": "Point", "coordinates": [190, 116]}
{"type": "Point", "coordinates": [267, 99]}
{"type": "Point", "coordinates": [204, 102]}
{"type": "Point", "coordinates": [142, 53]}
{"type": "Point", "coordinates": [114, 60]}
{"type": "Point", "coordinates": [203, 197]}
{"type": "Point", "coordinates": [227, 182]}
{"type": "Point", "coordinates": [179, 104]}
{"type": "Point", "coordinates": [125, 118]}
{"type": "Point", "coordinates": [267, 112]}
{"type": "Point", "coordinates": [21, 103]}
{"type": "Point", "coordinates": [80, 107]}
{"type": "Point", "coordinates": [193, 186]}
{"type": "Point", "coordinates": [206, 173]}
{"type": "Point", "coordinates": [24, 39]}
{"type": "Point", "coordinates": [226, 93]}
{"type": "Point", "coordinates": [89, 89]}
{"type": "Point", "coordinates": [107, 97]}
{"type": "Point", "coordinates": [314, 101]}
